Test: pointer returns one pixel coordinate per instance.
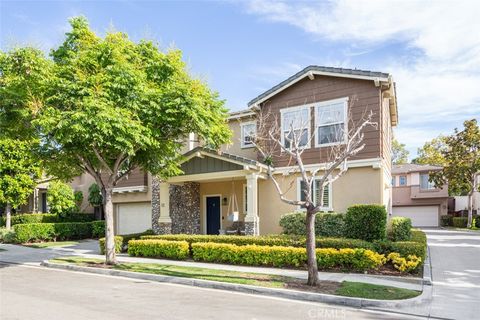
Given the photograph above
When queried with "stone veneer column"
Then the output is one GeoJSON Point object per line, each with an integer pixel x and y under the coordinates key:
{"type": "Point", "coordinates": [185, 208]}
{"type": "Point", "coordinates": [161, 221]}
{"type": "Point", "coordinates": [252, 219]}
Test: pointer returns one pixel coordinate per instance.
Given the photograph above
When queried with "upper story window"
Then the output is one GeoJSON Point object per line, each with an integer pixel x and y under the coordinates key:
{"type": "Point", "coordinates": [425, 184]}
{"type": "Point", "coordinates": [393, 181]}
{"type": "Point", "coordinates": [326, 200]}
{"type": "Point", "coordinates": [331, 122]}
{"type": "Point", "coordinates": [403, 180]}
{"type": "Point", "coordinates": [295, 124]}
{"type": "Point", "coordinates": [248, 132]}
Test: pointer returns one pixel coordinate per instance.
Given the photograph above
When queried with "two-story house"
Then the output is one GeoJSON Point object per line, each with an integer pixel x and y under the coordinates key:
{"type": "Point", "coordinates": [414, 196]}
{"type": "Point", "coordinates": [327, 100]}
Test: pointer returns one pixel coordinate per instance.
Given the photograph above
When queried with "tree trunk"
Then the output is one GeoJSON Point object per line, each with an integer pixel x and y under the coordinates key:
{"type": "Point", "coordinates": [110, 257]}
{"type": "Point", "coordinates": [8, 214]}
{"type": "Point", "coordinates": [311, 254]}
{"type": "Point", "coordinates": [470, 209]}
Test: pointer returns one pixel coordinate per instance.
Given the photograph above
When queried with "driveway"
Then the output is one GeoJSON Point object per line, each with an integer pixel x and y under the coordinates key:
{"type": "Point", "coordinates": [455, 257]}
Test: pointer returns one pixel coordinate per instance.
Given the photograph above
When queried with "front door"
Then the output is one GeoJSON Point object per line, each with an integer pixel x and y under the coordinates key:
{"type": "Point", "coordinates": [213, 215]}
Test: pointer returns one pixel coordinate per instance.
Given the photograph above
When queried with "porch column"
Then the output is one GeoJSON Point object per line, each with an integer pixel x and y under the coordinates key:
{"type": "Point", "coordinates": [35, 201]}
{"type": "Point", "coordinates": [161, 221]}
{"type": "Point", "coordinates": [252, 219]}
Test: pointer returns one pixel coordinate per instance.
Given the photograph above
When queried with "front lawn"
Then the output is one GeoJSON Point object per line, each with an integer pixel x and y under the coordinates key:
{"type": "Point", "coordinates": [42, 245]}
{"type": "Point", "coordinates": [351, 289]}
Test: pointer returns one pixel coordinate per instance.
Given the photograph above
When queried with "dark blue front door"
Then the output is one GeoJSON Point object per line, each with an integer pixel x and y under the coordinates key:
{"type": "Point", "coordinates": [213, 215]}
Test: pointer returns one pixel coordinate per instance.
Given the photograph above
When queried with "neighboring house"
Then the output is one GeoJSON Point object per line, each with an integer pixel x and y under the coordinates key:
{"type": "Point", "coordinates": [37, 201]}
{"type": "Point", "coordinates": [417, 198]}
{"type": "Point", "coordinates": [328, 99]}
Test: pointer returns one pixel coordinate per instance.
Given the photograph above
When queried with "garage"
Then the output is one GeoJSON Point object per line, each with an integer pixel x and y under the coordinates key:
{"type": "Point", "coordinates": [422, 216]}
{"type": "Point", "coordinates": [134, 217]}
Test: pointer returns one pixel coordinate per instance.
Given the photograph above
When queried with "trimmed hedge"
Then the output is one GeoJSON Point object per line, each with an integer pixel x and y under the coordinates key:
{"type": "Point", "coordinates": [7, 236]}
{"type": "Point", "coordinates": [48, 218]}
{"type": "Point", "coordinates": [326, 224]}
{"type": "Point", "coordinates": [98, 228]}
{"type": "Point", "coordinates": [460, 222]}
{"type": "Point", "coordinates": [446, 220]}
{"type": "Point", "coordinates": [366, 222]}
{"type": "Point", "coordinates": [404, 248]}
{"type": "Point", "coordinates": [118, 244]}
{"type": "Point", "coordinates": [33, 232]}
{"type": "Point", "coordinates": [158, 249]}
{"type": "Point", "coordinates": [476, 222]}
{"type": "Point", "coordinates": [418, 236]}
{"type": "Point", "coordinates": [273, 240]}
{"type": "Point", "coordinates": [122, 241]}
{"type": "Point", "coordinates": [357, 259]}
{"type": "Point", "coordinates": [399, 229]}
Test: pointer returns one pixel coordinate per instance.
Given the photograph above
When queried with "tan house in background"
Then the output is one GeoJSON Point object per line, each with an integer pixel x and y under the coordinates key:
{"type": "Point", "coordinates": [417, 198]}
{"type": "Point", "coordinates": [330, 100]}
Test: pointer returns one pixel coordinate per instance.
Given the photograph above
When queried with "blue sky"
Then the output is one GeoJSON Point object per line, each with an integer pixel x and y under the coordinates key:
{"type": "Point", "coordinates": [243, 48]}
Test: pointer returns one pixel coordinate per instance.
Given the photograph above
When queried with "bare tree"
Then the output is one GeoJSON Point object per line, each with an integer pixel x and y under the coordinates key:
{"type": "Point", "coordinates": [292, 140]}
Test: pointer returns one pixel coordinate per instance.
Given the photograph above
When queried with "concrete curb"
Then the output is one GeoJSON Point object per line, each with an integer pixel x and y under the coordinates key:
{"type": "Point", "coordinates": [279, 293]}
{"type": "Point", "coordinates": [427, 269]}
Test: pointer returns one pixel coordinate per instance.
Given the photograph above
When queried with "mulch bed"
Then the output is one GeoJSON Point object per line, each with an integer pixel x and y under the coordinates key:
{"type": "Point", "coordinates": [328, 287]}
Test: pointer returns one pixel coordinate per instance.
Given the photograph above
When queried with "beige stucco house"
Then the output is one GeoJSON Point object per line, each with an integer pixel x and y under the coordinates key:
{"type": "Point", "coordinates": [414, 196]}
{"type": "Point", "coordinates": [198, 200]}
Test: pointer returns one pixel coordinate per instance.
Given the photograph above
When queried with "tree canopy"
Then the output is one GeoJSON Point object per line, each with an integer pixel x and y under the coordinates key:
{"type": "Point", "coordinates": [399, 152]}
{"type": "Point", "coordinates": [432, 152]}
{"type": "Point", "coordinates": [18, 171]}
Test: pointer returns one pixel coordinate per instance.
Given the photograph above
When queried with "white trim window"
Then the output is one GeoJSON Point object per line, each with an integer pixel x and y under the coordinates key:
{"type": "Point", "coordinates": [403, 180]}
{"type": "Point", "coordinates": [298, 120]}
{"type": "Point", "coordinates": [331, 122]}
{"type": "Point", "coordinates": [248, 132]}
{"type": "Point", "coordinates": [317, 192]}
{"type": "Point", "coordinates": [425, 183]}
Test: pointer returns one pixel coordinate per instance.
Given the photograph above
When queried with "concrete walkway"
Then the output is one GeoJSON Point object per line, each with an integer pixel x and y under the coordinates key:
{"type": "Point", "coordinates": [89, 249]}
{"type": "Point", "coordinates": [455, 257]}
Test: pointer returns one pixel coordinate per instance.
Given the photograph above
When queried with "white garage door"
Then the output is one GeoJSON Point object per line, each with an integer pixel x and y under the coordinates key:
{"type": "Point", "coordinates": [134, 217]}
{"type": "Point", "coordinates": [422, 216]}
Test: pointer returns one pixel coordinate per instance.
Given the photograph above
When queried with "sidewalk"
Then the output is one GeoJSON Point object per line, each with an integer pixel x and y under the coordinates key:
{"type": "Point", "coordinates": [89, 249]}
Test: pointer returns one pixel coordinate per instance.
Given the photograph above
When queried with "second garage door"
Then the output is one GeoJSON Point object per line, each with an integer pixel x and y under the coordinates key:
{"type": "Point", "coordinates": [134, 217]}
{"type": "Point", "coordinates": [422, 216]}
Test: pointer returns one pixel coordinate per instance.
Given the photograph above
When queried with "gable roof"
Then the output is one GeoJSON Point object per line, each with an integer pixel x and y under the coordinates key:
{"type": "Point", "coordinates": [378, 77]}
{"type": "Point", "coordinates": [221, 155]}
{"type": "Point", "coordinates": [412, 167]}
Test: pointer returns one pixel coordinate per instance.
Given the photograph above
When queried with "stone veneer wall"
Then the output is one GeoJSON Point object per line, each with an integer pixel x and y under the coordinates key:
{"type": "Point", "coordinates": [185, 208]}
{"type": "Point", "coordinates": [156, 205]}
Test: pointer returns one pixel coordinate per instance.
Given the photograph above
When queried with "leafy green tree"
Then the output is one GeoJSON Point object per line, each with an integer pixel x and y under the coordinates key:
{"type": "Point", "coordinates": [24, 73]}
{"type": "Point", "coordinates": [432, 152]}
{"type": "Point", "coordinates": [61, 198]}
{"type": "Point", "coordinates": [111, 105]}
{"type": "Point", "coordinates": [95, 195]}
{"type": "Point", "coordinates": [462, 162]}
{"type": "Point", "coordinates": [399, 152]}
{"type": "Point", "coordinates": [18, 171]}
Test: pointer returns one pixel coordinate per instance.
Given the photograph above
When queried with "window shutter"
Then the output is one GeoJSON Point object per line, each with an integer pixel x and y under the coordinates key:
{"type": "Point", "coordinates": [326, 196]}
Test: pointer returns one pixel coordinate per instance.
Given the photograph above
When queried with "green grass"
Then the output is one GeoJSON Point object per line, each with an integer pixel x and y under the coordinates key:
{"type": "Point", "coordinates": [350, 289]}
{"type": "Point", "coordinates": [372, 291]}
{"type": "Point", "coordinates": [42, 245]}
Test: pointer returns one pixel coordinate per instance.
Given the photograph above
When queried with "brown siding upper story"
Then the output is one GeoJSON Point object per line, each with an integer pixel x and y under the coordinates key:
{"type": "Point", "coordinates": [363, 98]}
{"type": "Point", "coordinates": [136, 178]}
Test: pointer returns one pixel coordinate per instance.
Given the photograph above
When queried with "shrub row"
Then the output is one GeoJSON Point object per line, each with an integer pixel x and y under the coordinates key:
{"type": "Point", "coordinates": [118, 244]}
{"type": "Point", "coordinates": [159, 249]}
{"type": "Point", "coordinates": [121, 242]}
{"type": "Point", "coordinates": [33, 232]}
{"type": "Point", "coordinates": [48, 218]}
{"type": "Point", "coordinates": [352, 259]}
{"type": "Point", "coordinates": [460, 222]}
{"type": "Point", "coordinates": [446, 220]}
{"type": "Point", "coordinates": [273, 240]}
{"type": "Point", "coordinates": [399, 229]}
{"type": "Point", "coordinates": [366, 222]}
{"type": "Point", "coordinates": [326, 224]}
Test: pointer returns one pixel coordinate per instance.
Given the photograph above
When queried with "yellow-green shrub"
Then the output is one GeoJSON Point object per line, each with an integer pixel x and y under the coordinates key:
{"type": "Point", "coordinates": [158, 249]}
{"type": "Point", "coordinates": [118, 244]}
{"type": "Point", "coordinates": [408, 264]}
{"type": "Point", "coordinates": [357, 259]}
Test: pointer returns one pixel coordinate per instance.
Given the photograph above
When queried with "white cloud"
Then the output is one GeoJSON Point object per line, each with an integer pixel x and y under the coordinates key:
{"type": "Point", "coordinates": [440, 78]}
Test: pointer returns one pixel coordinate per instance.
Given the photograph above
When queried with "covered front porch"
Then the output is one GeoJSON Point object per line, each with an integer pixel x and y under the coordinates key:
{"type": "Point", "coordinates": [217, 194]}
